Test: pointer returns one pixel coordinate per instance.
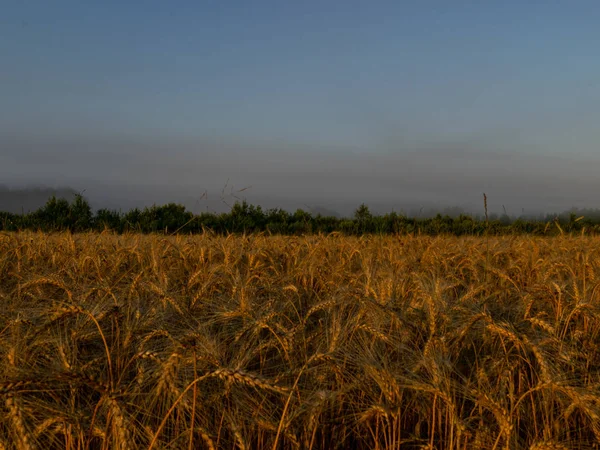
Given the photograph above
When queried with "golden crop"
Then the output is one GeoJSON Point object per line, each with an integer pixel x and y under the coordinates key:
{"type": "Point", "coordinates": [132, 341]}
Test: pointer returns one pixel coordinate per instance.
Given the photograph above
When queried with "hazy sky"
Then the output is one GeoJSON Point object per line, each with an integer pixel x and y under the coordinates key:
{"type": "Point", "coordinates": [318, 101]}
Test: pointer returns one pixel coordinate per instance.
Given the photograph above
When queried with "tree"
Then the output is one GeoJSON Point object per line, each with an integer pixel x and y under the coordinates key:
{"type": "Point", "coordinates": [362, 213]}
{"type": "Point", "coordinates": [54, 215]}
{"type": "Point", "coordinates": [107, 219]}
{"type": "Point", "coordinates": [363, 219]}
{"type": "Point", "coordinates": [80, 214]}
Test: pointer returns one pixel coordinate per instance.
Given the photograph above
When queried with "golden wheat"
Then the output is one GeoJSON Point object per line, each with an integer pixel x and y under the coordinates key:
{"type": "Point", "coordinates": [207, 341]}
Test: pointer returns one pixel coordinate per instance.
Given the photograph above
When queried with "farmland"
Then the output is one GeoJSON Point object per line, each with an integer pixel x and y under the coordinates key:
{"type": "Point", "coordinates": [325, 341]}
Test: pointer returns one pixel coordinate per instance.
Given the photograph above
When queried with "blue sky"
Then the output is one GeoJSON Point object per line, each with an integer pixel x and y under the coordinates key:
{"type": "Point", "coordinates": [374, 78]}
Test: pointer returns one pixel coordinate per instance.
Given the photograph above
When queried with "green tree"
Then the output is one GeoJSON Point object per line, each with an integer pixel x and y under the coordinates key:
{"type": "Point", "coordinates": [54, 215]}
{"type": "Point", "coordinates": [107, 219]}
{"type": "Point", "coordinates": [80, 217]}
{"type": "Point", "coordinates": [363, 219]}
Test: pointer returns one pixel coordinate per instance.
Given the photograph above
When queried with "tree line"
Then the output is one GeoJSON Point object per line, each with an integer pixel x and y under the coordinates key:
{"type": "Point", "coordinates": [58, 214]}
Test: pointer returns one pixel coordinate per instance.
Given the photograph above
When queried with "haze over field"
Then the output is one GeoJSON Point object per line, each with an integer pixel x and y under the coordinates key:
{"type": "Point", "coordinates": [330, 105]}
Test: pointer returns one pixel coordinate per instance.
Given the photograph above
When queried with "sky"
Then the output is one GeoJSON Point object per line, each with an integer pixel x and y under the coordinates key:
{"type": "Point", "coordinates": [318, 103]}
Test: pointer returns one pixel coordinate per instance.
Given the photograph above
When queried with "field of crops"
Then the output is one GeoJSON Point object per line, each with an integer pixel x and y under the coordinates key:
{"type": "Point", "coordinates": [323, 342]}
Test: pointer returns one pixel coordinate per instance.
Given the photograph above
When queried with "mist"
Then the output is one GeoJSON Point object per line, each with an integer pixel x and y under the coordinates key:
{"type": "Point", "coordinates": [211, 174]}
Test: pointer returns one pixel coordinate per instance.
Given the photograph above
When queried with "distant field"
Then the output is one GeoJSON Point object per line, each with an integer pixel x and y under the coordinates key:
{"type": "Point", "coordinates": [140, 341]}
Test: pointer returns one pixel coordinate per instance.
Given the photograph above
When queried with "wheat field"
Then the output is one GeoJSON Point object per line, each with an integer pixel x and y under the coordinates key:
{"type": "Point", "coordinates": [316, 342]}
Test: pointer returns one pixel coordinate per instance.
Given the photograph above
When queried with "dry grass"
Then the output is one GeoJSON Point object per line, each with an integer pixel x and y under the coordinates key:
{"type": "Point", "coordinates": [122, 342]}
